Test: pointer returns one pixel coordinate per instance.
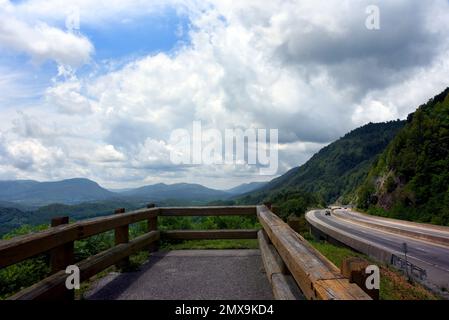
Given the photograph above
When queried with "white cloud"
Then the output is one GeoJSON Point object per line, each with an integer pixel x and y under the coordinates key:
{"type": "Point", "coordinates": [30, 154]}
{"type": "Point", "coordinates": [43, 42]}
{"type": "Point", "coordinates": [108, 153]}
{"type": "Point", "coordinates": [66, 96]}
{"type": "Point", "coordinates": [374, 111]}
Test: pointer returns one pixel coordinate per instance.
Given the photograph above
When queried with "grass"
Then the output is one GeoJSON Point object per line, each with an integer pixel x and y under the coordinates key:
{"type": "Point", "coordinates": [334, 253]}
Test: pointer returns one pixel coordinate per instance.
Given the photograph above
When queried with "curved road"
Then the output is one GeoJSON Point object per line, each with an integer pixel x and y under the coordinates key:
{"type": "Point", "coordinates": [433, 230]}
{"type": "Point", "coordinates": [434, 258]}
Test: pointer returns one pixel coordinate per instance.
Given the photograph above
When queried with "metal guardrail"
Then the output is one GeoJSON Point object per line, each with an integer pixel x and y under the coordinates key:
{"type": "Point", "coordinates": [408, 268]}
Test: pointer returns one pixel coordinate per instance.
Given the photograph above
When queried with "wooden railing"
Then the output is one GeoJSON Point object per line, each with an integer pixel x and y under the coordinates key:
{"type": "Point", "coordinates": [208, 234]}
{"type": "Point", "coordinates": [294, 269]}
{"type": "Point", "coordinates": [59, 242]}
{"type": "Point", "coordinates": [287, 256]}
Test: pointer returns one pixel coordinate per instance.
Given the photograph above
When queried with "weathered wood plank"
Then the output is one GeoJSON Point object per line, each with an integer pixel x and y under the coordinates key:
{"type": "Point", "coordinates": [209, 211]}
{"type": "Point", "coordinates": [52, 287]}
{"type": "Point", "coordinates": [27, 246]}
{"type": "Point", "coordinates": [310, 269]}
{"type": "Point", "coordinates": [209, 234]}
{"type": "Point", "coordinates": [272, 261]}
{"type": "Point", "coordinates": [285, 288]}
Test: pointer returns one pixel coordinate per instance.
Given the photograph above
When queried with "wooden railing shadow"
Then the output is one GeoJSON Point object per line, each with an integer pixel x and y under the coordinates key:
{"type": "Point", "coordinates": [117, 286]}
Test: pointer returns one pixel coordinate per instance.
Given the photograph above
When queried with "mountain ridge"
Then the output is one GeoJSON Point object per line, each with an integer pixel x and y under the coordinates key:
{"type": "Point", "coordinates": [337, 169]}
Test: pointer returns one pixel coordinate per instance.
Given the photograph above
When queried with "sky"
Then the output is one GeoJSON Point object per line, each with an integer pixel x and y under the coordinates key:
{"type": "Point", "coordinates": [94, 89]}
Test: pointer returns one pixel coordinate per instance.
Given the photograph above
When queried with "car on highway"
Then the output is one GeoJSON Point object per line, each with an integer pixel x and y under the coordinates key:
{"type": "Point", "coordinates": [327, 213]}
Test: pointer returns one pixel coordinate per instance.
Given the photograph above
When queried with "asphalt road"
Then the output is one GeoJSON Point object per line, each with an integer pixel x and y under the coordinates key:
{"type": "Point", "coordinates": [433, 258]}
{"type": "Point", "coordinates": [404, 225]}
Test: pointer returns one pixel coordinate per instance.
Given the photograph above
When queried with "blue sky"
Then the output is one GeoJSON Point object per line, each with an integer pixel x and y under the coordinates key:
{"type": "Point", "coordinates": [101, 102]}
{"type": "Point", "coordinates": [145, 35]}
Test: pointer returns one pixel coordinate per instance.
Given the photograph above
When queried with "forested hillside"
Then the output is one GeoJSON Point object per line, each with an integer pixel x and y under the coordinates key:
{"type": "Point", "coordinates": [410, 180]}
{"type": "Point", "coordinates": [336, 170]}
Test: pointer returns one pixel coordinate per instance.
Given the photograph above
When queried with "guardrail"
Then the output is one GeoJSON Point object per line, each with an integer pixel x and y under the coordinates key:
{"type": "Point", "coordinates": [408, 268]}
{"type": "Point", "coordinates": [294, 268]}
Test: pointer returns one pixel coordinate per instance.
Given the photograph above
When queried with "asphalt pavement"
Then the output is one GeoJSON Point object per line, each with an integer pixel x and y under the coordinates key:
{"type": "Point", "coordinates": [192, 275]}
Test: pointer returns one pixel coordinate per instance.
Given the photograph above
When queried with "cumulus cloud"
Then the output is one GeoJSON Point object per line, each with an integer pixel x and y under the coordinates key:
{"type": "Point", "coordinates": [309, 68]}
{"type": "Point", "coordinates": [29, 154]}
{"type": "Point", "coordinates": [108, 153]}
{"type": "Point", "coordinates": [67, 98]}
{"type": "Point", "coordinates": [43, 42]}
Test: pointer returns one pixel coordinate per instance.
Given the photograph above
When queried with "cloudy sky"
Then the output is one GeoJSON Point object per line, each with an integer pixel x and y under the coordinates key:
{"type": "Point", "coordinates": [94, 88]}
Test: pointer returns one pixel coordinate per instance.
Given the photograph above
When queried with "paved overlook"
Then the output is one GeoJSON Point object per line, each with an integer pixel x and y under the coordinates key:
{"type": "Point", "coordinates": [192, 275]}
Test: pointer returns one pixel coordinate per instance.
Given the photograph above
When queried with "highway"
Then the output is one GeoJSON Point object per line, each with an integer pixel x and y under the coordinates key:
{"type": "Point", "coordinates": [434, 258]}
{"type": "Point", "coordinates": [439, 231]}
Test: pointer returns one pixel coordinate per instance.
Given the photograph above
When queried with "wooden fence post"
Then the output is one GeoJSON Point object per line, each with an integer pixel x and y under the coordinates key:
{"type": "Point", "coordinates": [122, 236]}
{"type": "Point", "coordinates": [61, 257]}
{"type": "Point", "coordinates": [268, 205]}
{"type": "Point", "coordinates": [353, 268]}
{"type": "Point", "coordinates": [294, 223]}
{"type": "Point", "coordinates": [152, 226]}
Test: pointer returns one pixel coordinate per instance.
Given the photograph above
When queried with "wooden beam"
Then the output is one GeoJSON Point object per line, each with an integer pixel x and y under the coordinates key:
{"type": "Point", "coordinates": [27, 246]}
{"type": "Point", "coordinates": [283, 285]}
{"type": "Point", "coordinates": [209, 234]}
{"type": "Point", "coordinates": [272, 261]}
{"type": "Point", "coordinates": [52, 287]}
{"type": "Point", "coordinates": [315, 275]}
{"type": "Point", "coordinates": [209, 211]}
{"type": "Point", "coordinates": [285, 288]}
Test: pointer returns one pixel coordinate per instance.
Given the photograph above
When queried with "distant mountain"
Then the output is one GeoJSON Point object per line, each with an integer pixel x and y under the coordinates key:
{"type": "Point", "coordinates": [29, 195]}
{"type": "Point", "coordinates": [71, 191]}
{"type": "Point", "coordinates": [336, 170]}
{"type": "Point", "coordinates": [410, 180]}
{"type": "Point", "coordinates": [178, 191]}
{"type": "Point", "coordinates": [246, 187]}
